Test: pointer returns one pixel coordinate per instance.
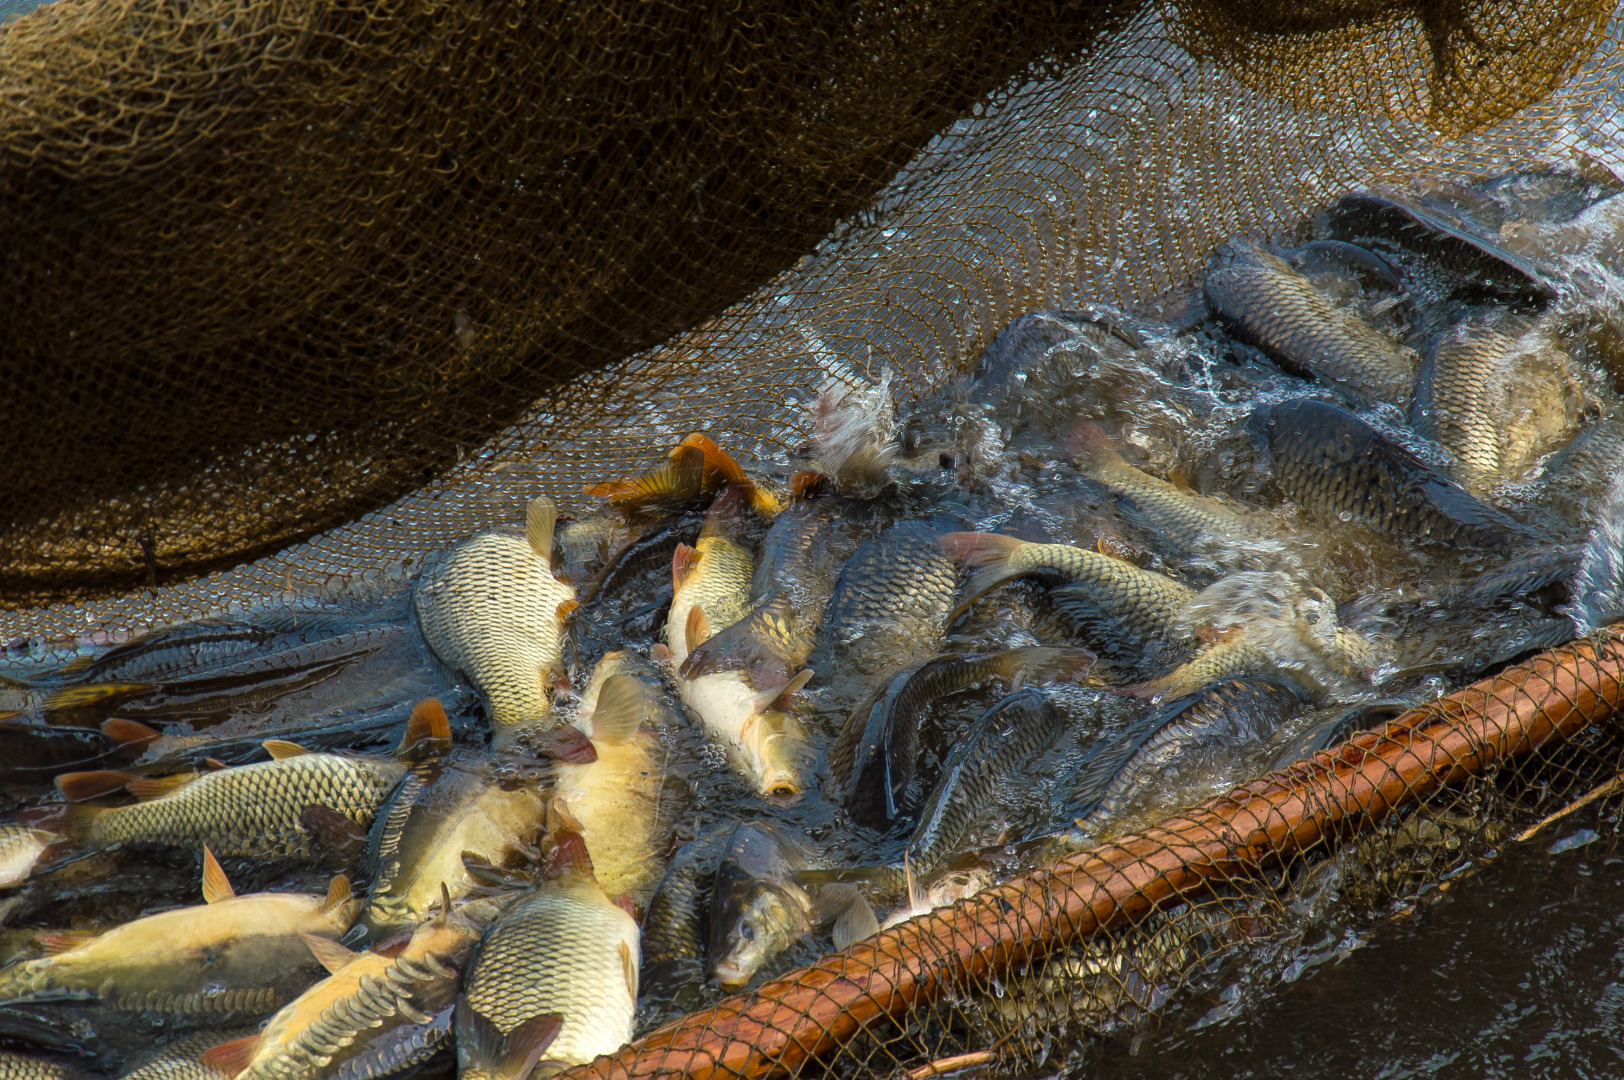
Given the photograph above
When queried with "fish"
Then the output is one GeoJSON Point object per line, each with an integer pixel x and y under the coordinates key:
{"type": "Point", "coordinates": [696, 467]}
{"type": "Point", "coordinates": [1587, 463]}
{"type": "Point", "coordinates": [1122, 612]}
{"type": "Point", "coordinates": [1338, 727]}
{"type": "Point", "coordinates": [1190, 520]}
{"type": "Point", "coordinates": [492, 612]}
{"type": "Point", "coordinates": [232, 956]}
{"type": "Point", "coordinates": [1270, 304]}
{"type": "Point", "coordinates": [253, 810]}
{"type": "Point", "coordinates": [889, 608]}
{"type": "Point", "coordinates": [1015, 729]}
{"type": "Point", "coordinates": [17, 1066]}
{"type": "Point", "coordinates": [20, 849]}
{"type": "Point", "coordinates": [766, 745]}
{"type": "Point", "coordinates": [947, 889]}
{"type": "Point", "coordinates": [179, 1060]}
{"type": "Point", "coordinates": [1339, 467]}
{"type": "Point", "coordinates": [565, 949]}
{"type": "Point", "coordinates": [757, 908]}
{"type": "Point", "coordinates": [437, 813]}
{"type": "Point", "coordinates": [1162, 751]}
{"type": "Point", "coordinates": [37, 752]}
{"type": "Point", "coordinates": [617, 800]}
{"type": "Point", "coordinates": [873, 759]}
{"type": "Point", "coordinates": [674, 927]}
{"type": "Point", "coordinates": [602, 621]}
{"type": "Point", "coordinates": [370, 997]}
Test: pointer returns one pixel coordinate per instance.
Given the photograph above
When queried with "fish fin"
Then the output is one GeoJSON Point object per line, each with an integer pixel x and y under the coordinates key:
{"type": "Point", "coordinates": [723, 473]}
{"type": "Point", "coordinates": [567, 745]}
{"type": "Point", "coordinates": [1088, 440]}
{"type": "Point", "coordinates": [281, 749]}
{"type": "Point", "coordinates": [628, 965]}
{"type": "Point", "coordinates": [807, 484]}
{"type": "Point", "coordinates": [561, 818]}
{"type": "Point", "coordinates": [215, 763]}
{"type": "Point", "coordinates": [394, 945]}
{"type": "Point", "coordinates": [1058, 664]}
{"type": "Point", "coordinates": [729, 510]}
{"type": "Point", "coordinates": [625, 903]}
{"type": "Point", "coordinates": [855, 923]}
{"type": "Point", "coordinates": [338, 893]}
{"type": "Point", "coordinates": [565, 609]}
{"type": "Point", "coordinates": [482, 869]}
{"type": "Point", "coordinates": [540, 518]}
{"type": "Point", "coordinates": [55, 942]}
{"type": "Point", "coordinates": [569, 854]}
{"type": "Point", "coordinates": [512, 1056]}
{"type": "Point", "coordinates": [328, 953]}
{"type": "Point", "coordinates": [991, 558]}
{"type": "Point", "coordinates": [148, 788]}
{"type": "Point", "coordinates": [619, 711]}
{"type": "Point", "coordinates": [216, 886]}
{"type": "Point", "coordinates": [678, 479]}
{"type": "Point", "coordinates": [782, 701]}
{"type": "Point", "coordinates": [334, 833]}
{"type": "Point", "coordinates": [74, 666]}
{"type": "Point", "coordinates": [44, 836]}
{"type": "Point", "coordinates": [697, 630]}
{"type": "Point", "coordinates": [79, 786]}
{"type": "Point", "coordinates": [70, 698]}
{"type": "Point", "coordinates": [683, 561]}
{"type": "Point", "coordinates": [427, 722]}
{"type": "Point", "coordinates": [231, 1057]}
{"type": "Point", "coordinates": [445, 905]}
{"type": "Point", "coordinates": [660, 653]}
{"type": "Point", "coordinates": [129, 734]}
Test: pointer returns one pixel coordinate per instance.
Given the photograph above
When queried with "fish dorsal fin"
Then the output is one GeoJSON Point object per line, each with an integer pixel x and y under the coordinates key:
{"type": "Point", "coordinates": [328, 953]}
{"type": "Point", "coordinates": [619, 711]}
{"type": "Point", "coordinates": [129, 734]}
{"type": "Point", "coordinates": [540, 518]}
{"type": "Point", "coordinates": [338, 894]}
{"type": "Point", "coordinates": [55, 942]}
{"type": "Point", "coordinates": [628, 966]}
{"type": "Point", "coordinates": [682, 564]}
{"type": "Point", "coordinates": [855, 923]}
{"type": "Point", "coordinates": [79, 786]}
{"type": "Point", "coordinates": [660, 653]}
{"type": "Point", "coordinates": [427, 729]}
{"type": "Point", "coordinates": [216, 886]}
{"type": "Point", "coordinates": [231, 1057]}
{"type": "Point", "coordinates": [281, 749]}
{"type": "Point", "coordinates": [782, 701]}
{"type": "Point", "coordinates": [697, 629]}
{"type": "Point", "coordinates": [147, 788]}
{"type": "Point", "coordinates": [445, 904]}
{"type": "Point", "coordinates": [482, 1046]}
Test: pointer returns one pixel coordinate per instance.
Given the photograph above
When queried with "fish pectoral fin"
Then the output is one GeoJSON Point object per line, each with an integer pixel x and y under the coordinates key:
{"type": "Point", "coordinates": [482, 869]}
{"type": "Point", "coordinates": [216, 886]}
{"type": "Point", "coordinates": [129, 734]}
{"type": "Point", "coordinates": [540, 518]}
{"type": "Point", "coordinates": [231, 1057]}
{"type": "Point", "coordinates": [683, 562]}
{"type": "Point", "coordinates": [55, 943]}
{"type": "Point", "coordinates": [697, 630]}
{"type": "Point", "coordinates": [513, 1055]}
{"type": "Point", "coordinates": [782, 702]}
{"type": "Point", "coordinates": [745, 646]}
{"type": "Point", "coordinates": [281, 749]}
{"type": "Point", "coordinates": [619, 709]}
{"type": "Point", "coordinates": [856, 922]}
{"type": "Point", "coordinates": [71, 698]}
{"type": "Point", "coordinates": [628, 965]}
{"type": "Point", "coordinates": [333, 832]}
{"type": "Point", "coordinates": [80, 786]}
{"type": "Point", "coordinates": [428, 731]}
{"type": "Point", "coordinates": [328, 953]}
{"type": "Point", "coordinates": [338, 894]}
{"type": "Point", "coordinates": [566, 745]}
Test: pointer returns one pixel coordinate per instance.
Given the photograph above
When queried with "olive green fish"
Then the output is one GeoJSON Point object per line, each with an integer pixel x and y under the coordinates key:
{"type": "Point", "coordinates": [757, 908]}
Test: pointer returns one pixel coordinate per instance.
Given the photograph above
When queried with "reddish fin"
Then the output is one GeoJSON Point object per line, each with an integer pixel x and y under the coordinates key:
{"type": "Point", "coordinates": [130, 734]}
{"type": "Point", "coordinates": [216, 886]}
{"type": "Point", "coordinates": [807, 484]}
{"type": "Point", "coordinates": [231, 1057]}
{"type": "Point", "coordinates": [568, 855]}
{"type": "Point", "coordinates": [281, 749]}
{"type": "Point", "coordinates": [394, 945]}
{"type": "Point", "coordinates": [567, 745]}
{"type": "Point", "coordinates": [697, 630]}
{"type": "Point", "coordinates": [675, 482]}
{"type": "Point", "coordinates": [565, 609]}
{"type": "Point", "coordinates": [782, 702]}
{"type": "Point", "coordinates": [147, 788]}
{"type": "Point", "coordinates": [328, 953]}
{"type": "Point", "coordinates": [682, 564]}
{"type": "Point", "coordinates": [744, 646]}
{"type": "Point", "coordinates": [428, 731]}
{"type": "Point", "coordinates": [55, 943]}
{"type": "Point", "coordinates": [729, 510]}
{"type": "Point", "coordinates": [79, 786]}
{"type": "Point", "coordinates": [660, 653]}
{"type": "Point", "coordinates": [977, 548]}
{"type": "Point", "coordinates": [483, 1048]}
{"type": "Point", "coordinates": [1087, 439]}
{"type": "Point", "coordinates": [334, 833]}
{"type": "Point", "coordinates": [625, 903]}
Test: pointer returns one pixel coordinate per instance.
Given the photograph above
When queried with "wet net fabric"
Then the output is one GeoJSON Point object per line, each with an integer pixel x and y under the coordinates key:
{"type": "Point", "coordinates": [277, 265]}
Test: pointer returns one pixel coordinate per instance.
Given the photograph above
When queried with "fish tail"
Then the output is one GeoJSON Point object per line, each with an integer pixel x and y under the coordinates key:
{"type": "Point", "coordinates": [1047, 663]}
{"type": "Point", "coordinates": [726, 516]}
{"type": "Point", "coordinates": [1088, 443]}
{"type": "Point", "coordinates": [484, 1052]}
{"type": "Point", "coordinates": [1598, 585]}
{"type": "Point", "coordinates": [93, 695]}
{"type": "Point", "coordinates": [993, 558]}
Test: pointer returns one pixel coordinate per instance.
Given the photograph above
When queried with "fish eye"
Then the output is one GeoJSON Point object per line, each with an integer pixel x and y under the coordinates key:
{"type": "Point", "coordinates": [747, 931]}
{"type": "Point", "coordinates": [947, 459]}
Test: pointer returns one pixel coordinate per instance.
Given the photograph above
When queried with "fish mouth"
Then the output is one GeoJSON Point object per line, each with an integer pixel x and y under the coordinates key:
{"type": "Point", "coordinates": [783, 790]}
{"type": "Point", "coordinates": [730, 977]}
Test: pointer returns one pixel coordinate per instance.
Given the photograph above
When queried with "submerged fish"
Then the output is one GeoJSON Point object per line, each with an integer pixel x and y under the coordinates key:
{"type": "Point", "coordinates": [233, 955]}
{"type": "Point", "coordinates": [20, 849]}
{"type": "Point", "coordinates": [493, 612]}
{"type": "Point", "coordinates": [615, 799]}
{"type": "Point", "coordinates": [1336, 465]}
{"type": "Point", "coordinates": [253, 810]}
{"type": "Point", "coordinates": [368, 1000]}
{"type": "Point", "coordinates": [873, 759]}
{"type": "Point", "coordinates": [1273, 306]}
{"type": "Point", "coordinates": [1123, 612]}
{"type": "Point", "coordinates": [1163, 751]}
{"type": "Point", "coordinates": [566, 949]}
{"type": "Point", "coordinates": [1589, 462]}
{"type": "Point", "coordinates": [757, 908]}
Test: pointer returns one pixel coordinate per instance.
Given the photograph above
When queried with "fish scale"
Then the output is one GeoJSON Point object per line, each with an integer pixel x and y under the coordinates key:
{"type": "Point", "coordinates": [254, 810]}
{"type": "Point", "coordinates": [1457, 402]}
{"type": "Point", "coordinates": [14, 1066]}
{"type": "Point", "coordinates": [179, 1059]}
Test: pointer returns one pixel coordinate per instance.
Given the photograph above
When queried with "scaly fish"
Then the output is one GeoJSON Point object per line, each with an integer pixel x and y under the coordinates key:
{"type": "Point", "coordinates": [367, 998]}
{"type": "Point", "coordinates": [696, 467]}
{"type": "Point", "coordinates": [1336, 465]}
{"type": "Point", "coordinates": [1122, 612]}
{"type": "Point", "coordinates": [714, 575]}
{"type": "Point", "coordinates": [252, 810]}
{"type": "Point", "coordinates": [15, 1066]}
{"type": "Point", "coordinates": [615, 800]}
{"type": "Point", "coordinates": [757, 908]}
{"type": "Point", "coordinates": [566, 949]}
{"type": "Point", "coordinates": [492, 611]}
{"type": "Point", "coordinates": [873, 759]}
{"type": "Point", "coordinates": [180, 1060]}
{"type": "Point", "coordinates": [234, 955]}
{"type": "Point", "coordinates": [20, 849]}
{"type": "Point", "coordinates": [1273, 306]}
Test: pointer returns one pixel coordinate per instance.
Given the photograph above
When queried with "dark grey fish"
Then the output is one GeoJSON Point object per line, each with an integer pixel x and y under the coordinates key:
{"type": "Point", "coordinates": [1587, 463]}
{"type": "Point", "coordinates": [1031, 338]}
{"type": "Point", "coordinates": [1273, 306]}
{"type": "Point", "coordinates": [1336, 465]}
{"type": "Point", "coordinates": [1009, 733]}
{"type": "Point", "coordinates": [1345, 260]}
{"type": "Point", "coordinates": [1456, 400]}
{"type": "Point", "coordinates": [1453, 262]}
{"type": "Point", "coordinates": [1338, 728]}
{"type": "Point", "coordinates": [1232, 713]}
{"type": "Point", "coordinates": [757, 908]}
{"type": "Point", "coordinates": [873, 759]}
{"type": "Point", "coordinates": [674, 922]}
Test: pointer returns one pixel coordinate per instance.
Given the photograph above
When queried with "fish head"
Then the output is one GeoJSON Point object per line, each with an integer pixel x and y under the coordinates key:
{"type": "Point", "coordinates": [776, 754]}
{"type": "Point", "coordinates": [754, 922]}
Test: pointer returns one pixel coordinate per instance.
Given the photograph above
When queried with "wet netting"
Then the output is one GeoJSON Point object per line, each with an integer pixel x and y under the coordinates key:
{"type": "Point", "coordinates": [297, 294]}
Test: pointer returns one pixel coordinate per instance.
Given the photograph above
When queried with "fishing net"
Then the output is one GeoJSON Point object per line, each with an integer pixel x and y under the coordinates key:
{"type": "Point", "coordinates": [299, 293]}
